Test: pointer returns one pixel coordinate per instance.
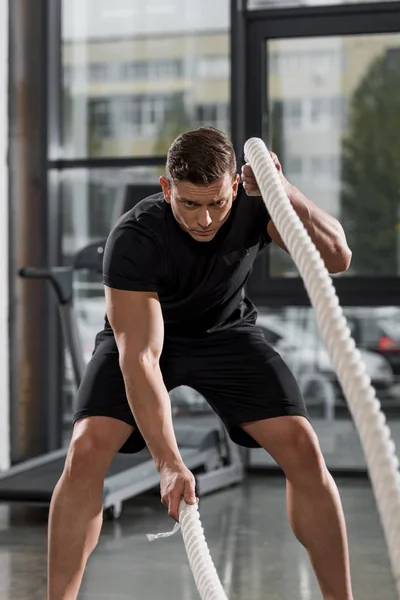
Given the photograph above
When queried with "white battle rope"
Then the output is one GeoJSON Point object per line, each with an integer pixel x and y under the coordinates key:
{"type": "Point", "coordinates": [375, 436]}
{"type": "Point", "coordinates": [201, 563]}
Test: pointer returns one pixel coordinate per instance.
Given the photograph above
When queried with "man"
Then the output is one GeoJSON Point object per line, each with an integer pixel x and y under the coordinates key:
{"type": "Point", "coordinates": [174, 271]}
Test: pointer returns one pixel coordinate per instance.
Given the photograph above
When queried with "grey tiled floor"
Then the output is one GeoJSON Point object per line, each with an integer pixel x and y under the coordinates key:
{"type": "Point", "coordinates": [253, 548]}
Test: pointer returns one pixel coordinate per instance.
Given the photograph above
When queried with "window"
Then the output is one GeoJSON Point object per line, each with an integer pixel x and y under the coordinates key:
{"type": "Point", "coordinates": [340, 125]}
{"type": "Point", "coordinates": [99, 73]}
{"type": "Point", "coordinates": [167, 69]}
{"type": "Point", "coordinates": [131, 114]}
{"type": "Point", "coordinates": [328, 111]}
{"type": "Point", "coordinates": [100, 119]}
{"type": "Point", "coordinates": [147, 53]}
{"type": "Point", "coordinates": [213, 67]}
{"type": "Point", "coordinates": [151, 70]}
{"type": "Point", "coordinates": [306, 62]}
{"type": "Point", "coordinates": [134, 70]}
{"type": "Point", "coordinates": [325, 166]}
{"type": "Point", "coordinates": [216, 115]}
{"type": "Point", "coordinates": [140, 115]}
{"type": "Point", "coordinates": [292, 113]}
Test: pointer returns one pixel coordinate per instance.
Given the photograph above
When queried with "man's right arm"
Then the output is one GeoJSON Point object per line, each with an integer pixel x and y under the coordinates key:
{"type": "Point", "coordinates": [138, 326]}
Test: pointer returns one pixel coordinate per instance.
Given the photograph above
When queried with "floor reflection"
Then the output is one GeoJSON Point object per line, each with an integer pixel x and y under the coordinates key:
{"type": "Point", "coordinates": [252, 545]}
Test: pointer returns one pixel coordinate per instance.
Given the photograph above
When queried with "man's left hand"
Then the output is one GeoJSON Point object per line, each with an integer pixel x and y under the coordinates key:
{"type": "Point", "coordinates": [249, 180]}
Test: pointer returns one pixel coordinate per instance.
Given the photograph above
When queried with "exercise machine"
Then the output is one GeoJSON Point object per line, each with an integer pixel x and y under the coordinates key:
{"type": "Point", "coordinates": [203, 442]}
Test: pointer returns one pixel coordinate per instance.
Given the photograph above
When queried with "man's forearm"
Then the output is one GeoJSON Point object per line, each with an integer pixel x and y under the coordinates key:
{"type": "Point", "coordinates": [151, 407]}
{"type": "Point", "coordinates": [325, 231]}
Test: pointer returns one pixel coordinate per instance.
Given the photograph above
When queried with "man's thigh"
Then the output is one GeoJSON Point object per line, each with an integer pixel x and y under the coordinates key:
{"type": "Point", "coordinates": [102, 391]}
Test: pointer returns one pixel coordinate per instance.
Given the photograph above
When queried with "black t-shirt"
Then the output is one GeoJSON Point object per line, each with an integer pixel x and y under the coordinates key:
{"type": "Point", "coordinates": [200, 285]}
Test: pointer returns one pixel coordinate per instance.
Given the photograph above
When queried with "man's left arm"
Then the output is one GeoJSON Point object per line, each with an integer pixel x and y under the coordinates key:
{"type": "Point", "coordinates": [325, 231]}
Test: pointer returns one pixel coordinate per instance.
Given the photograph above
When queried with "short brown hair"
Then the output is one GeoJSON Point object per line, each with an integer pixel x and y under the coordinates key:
{"type": "Point", "coordinates": [201, 156]}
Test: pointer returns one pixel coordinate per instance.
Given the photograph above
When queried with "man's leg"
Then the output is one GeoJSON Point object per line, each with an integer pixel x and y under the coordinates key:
{"type": "Point", "coordinates": [313, 502]}
{"type": "Point", "coordinates": [76, 508]}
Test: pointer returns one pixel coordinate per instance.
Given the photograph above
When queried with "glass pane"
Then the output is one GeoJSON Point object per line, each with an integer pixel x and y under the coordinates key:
{"type": "Point", "coordinates": [293, 332]}
{"type": "Point", "coordinates": [92, 201]}
{"type": "Point", "coordinates": [257, 4]}
{"type": "Point", "coordinates": [334, 106]}
{"type": "Point", "coordinates": [136, 74]}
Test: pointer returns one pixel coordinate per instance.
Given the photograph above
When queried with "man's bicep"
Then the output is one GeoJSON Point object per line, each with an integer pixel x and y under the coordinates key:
{"type": "Point", "coordinates": [137, 321]}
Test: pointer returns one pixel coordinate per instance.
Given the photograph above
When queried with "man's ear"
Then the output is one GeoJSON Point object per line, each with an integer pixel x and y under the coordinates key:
{"type": "Point", "coordinates": [166, 188]}
{"type": "Point", "coordinates": [235, 185]}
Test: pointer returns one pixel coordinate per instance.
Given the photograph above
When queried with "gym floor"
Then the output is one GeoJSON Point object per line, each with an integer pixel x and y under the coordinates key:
{"type": "Point", "coordinates": [246, 528]}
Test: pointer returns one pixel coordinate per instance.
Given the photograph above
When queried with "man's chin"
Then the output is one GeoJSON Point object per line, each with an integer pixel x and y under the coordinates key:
{"type": "Point", "coordinates": [200, 237]}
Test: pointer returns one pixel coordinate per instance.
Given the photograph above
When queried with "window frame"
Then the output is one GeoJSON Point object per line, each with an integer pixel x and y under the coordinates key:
{"type": "Point", "coordinates": [297, 22]}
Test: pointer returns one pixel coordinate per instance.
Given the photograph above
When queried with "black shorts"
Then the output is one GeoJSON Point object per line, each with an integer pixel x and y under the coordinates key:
{"type": "Point", "coordinates": [238, 373]}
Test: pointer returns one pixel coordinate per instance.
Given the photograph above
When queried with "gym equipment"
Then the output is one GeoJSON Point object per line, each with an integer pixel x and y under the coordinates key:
{"type": "Point", "coordinates": [204, 445]}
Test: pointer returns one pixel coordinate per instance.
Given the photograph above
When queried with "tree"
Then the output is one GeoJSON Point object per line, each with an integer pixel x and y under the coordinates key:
{"type": "Point", "coordinates": [371, 168]}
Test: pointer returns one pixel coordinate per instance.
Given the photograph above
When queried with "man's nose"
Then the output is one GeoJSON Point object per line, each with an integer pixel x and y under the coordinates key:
{"type": "Point", "coordinates": [205, 219]}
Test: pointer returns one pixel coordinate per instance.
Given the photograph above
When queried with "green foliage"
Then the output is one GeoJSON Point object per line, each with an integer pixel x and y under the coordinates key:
{"type": "Point", "coordinates": [371, 169]}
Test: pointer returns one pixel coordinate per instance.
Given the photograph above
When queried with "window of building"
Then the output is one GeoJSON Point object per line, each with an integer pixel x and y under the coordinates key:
{"type": "Point", "coordinates": [293, 113]}
{"type": "Point", "coordinates": [214, 67]}
{"type": "Point", "coordinates": [290, 62]}
{"type": "Point", "coordinates": [99, 73]}
{"type": "Point", "coordinates": [216, 115]}
{"type": "Point", "coordinates": [325, 166]}
{"type": "Point", "coordinates": [151, 70]}
{"type": "Point", "coordinates": [100, 118]}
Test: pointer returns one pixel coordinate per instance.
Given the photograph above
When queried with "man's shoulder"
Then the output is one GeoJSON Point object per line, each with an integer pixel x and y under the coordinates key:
{"type": "Point", "coordinates": [147, 216]}
{"type": "Point", "coordinates": [133, 252]}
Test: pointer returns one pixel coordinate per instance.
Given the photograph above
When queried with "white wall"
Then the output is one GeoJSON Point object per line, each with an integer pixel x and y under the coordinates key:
{"type": "Point", "coordinates": [4, 359]}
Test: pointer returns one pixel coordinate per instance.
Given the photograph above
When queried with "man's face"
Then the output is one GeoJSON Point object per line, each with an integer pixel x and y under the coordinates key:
{"type": "Point", "coordinates": [201, 210]}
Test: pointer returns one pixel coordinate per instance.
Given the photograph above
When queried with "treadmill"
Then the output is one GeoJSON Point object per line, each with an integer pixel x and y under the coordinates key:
{"type": "Point", "coordinates": [206, 449]}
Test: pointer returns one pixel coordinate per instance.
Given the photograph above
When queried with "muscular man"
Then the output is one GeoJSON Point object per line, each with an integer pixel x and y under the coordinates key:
{"type": "Point", "coordinates": [174, 271]}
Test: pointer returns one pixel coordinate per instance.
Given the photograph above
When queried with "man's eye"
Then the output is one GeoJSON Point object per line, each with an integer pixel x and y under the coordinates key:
{"type": "Point", "coordinates": [219, 203]}
{"type": "Point", "coordinates": [189, 203]}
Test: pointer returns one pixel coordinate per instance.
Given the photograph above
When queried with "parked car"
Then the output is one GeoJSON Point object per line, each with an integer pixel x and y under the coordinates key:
{"type": "Point", "coordinates": [307, 357]}
{"type": "Point", "coordinates": [377, 330]}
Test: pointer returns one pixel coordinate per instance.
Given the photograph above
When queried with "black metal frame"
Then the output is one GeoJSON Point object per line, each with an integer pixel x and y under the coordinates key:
{"type": "Point", "coordinates": [53, 106]}
{"type": "Point", "coordinates": [238, 71]}
{"type": "Point", "coordinates": [101, 163]}
{"type": "Point", "coordinates": [262, 25]}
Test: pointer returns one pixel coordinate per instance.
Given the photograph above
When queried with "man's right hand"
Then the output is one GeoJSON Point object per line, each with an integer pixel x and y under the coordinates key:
{"type": "Point", "coordinates": [177, 483]}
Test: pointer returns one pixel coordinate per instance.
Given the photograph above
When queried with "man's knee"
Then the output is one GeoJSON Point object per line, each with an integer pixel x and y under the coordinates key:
{"type": "Point", "coordinates": [302, 458]}
{"type": "Point", "coordinates": [88, 458]}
